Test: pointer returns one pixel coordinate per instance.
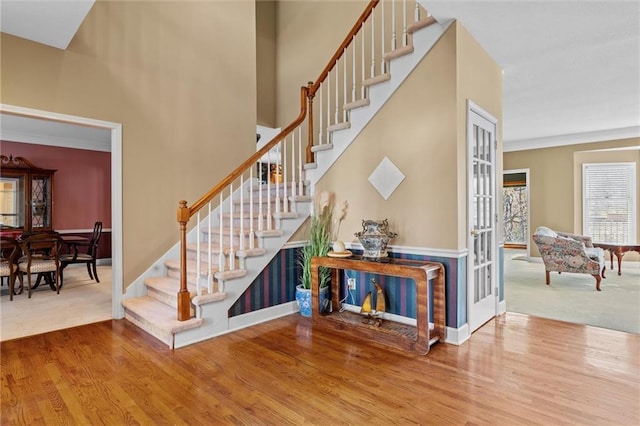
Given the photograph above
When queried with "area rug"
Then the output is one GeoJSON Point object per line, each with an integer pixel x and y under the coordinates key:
{"type": "Point", "coordinates": [573, 297]}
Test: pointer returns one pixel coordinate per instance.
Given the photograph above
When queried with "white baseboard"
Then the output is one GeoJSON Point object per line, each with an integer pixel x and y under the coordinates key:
{"type": "Point", "coordinates": [502, 307]}
{"type": "Point", "coordinates": [262, 315]}
{"type": "Point", "coordinates": [457, 336]}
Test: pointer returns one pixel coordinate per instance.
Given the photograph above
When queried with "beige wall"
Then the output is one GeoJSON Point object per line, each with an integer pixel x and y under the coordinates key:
{"type": "Point", "coordinates": [480, 81]}
{"type": "Point", "coordinates": [555, 185]}
{"type": "Point", "coordinates": [422, 130]}
{"type": "Point", "coordinates": [266, 62]}
{"type": "Point", "coordinates": [179, 76]}
{"type": "Point", "coordinates": [308, 32]}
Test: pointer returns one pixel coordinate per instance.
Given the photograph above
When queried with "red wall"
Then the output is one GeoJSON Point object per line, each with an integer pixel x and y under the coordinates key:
{"type": "Point", "coordinates": [81, 184]}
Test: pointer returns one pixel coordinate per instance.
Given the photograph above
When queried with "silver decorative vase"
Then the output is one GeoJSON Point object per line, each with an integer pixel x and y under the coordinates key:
{"type": "Point", "coordinates": [374, 238]}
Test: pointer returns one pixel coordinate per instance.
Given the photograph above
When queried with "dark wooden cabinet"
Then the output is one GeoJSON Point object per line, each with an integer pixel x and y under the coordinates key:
{"type": "Point", "coordinates": [26, 196]}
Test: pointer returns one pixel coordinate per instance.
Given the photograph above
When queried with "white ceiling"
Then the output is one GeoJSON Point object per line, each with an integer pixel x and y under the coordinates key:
{"type": "Point", "coordinates": [571, 68]}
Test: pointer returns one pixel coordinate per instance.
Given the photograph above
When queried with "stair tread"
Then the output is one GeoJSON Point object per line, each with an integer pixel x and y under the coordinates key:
{"type": "Point", "coordinates": [159, 315]}
{"type": "Point", "coordinates": [380, 78]}
{"type": "Point", "coordinates": [323, 147]}
{"type": "Point", "coordinates": [339, 126]}
{"type": "Point", "coordinates": [357, 104]}
{"type": "Point", "coordinates": [400, 51]}
{"type": "Point", "coordinates": [422, 23]}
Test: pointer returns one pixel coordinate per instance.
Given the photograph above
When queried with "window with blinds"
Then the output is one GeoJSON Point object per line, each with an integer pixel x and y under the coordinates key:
{"type": "Point", "coordinates": [609, 202]}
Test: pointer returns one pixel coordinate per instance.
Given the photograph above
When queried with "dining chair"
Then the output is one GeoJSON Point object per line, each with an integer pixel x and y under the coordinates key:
{"type": "Point", "coordinates": [89, 257]}
{"type": "Point", "coordinates": [40, 255]}
{"type": "Point", "coordinates": [8, 268]}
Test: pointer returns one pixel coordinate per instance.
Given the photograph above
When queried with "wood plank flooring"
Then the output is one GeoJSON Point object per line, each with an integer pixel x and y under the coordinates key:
{"type": "Point", "coordinates": [515, 370]}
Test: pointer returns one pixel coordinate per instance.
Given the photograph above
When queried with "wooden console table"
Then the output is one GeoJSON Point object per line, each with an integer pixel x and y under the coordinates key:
{"type": "Point", "coordinates": [619, 250]}
{"type": "Point", "coordinates": [406, 337]}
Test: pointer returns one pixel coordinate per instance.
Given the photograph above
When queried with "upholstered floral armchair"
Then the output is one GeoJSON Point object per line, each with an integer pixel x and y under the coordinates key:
{"type": "Point", "coordinates": [563, 252]}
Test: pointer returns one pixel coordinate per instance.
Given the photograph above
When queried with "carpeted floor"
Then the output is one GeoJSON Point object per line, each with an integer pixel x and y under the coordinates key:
{"type": "Point", "coordinates": [81, 301]}
{"type": "Point", "coordinates": [573, 297]}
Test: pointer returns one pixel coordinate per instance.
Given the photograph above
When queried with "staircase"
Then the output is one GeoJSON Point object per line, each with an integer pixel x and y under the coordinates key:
{"type": "Point", "coordinates": [236, 237]}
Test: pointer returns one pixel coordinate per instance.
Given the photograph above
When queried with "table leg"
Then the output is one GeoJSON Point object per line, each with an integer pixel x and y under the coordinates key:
{"type": "Point", "coordinates": [619, 255]}
{"type": "Point", "coordinates": [611, 258]}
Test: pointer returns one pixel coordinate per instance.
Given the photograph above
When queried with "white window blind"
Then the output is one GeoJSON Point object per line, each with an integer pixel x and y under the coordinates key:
{"type": "Point", "coordinates": [609, 202]}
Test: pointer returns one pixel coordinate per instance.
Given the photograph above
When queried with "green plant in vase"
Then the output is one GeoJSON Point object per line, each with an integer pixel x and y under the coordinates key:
{"type": "Point", "coordinates": [320, 230]}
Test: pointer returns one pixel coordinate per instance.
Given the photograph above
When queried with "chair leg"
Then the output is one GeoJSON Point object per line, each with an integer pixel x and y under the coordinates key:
{"type": "Point", "coordinates": [58, 277]}
{"type": "Point", "coordinates": [21, 279]}
{"type": "Point", "coordinates": [598, 279]}
{"type": "Point", "coordinates": [12, 280]}
{"type": "Point", "coordinates": [95, 271]}
{"type": "Point", "coordinates": [603, 269]}
{"type": "Point", "coordinates": [89, 270]}
{"type": "Point", "coordinates": [29, 284]}
{"type": "Point", "coordinates": [548, 277]}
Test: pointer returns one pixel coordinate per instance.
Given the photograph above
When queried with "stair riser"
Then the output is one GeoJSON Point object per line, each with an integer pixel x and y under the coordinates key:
{"type": "Point", "coordinates": [226, 242]}
{"type": "Point", "coordinates": [265, 205]}
{"type": "Point", "coordinates": [264, 189]}
{"type": "Point", "coordinates": [246, 223]}
{"type": "Point", "coordinates": [191, 277]}
{"type": "Point", "coordinates": [150, 328]}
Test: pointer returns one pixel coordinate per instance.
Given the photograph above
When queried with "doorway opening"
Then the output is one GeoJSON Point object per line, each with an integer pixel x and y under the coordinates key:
{"type": "Point", "coordinates": [38, 117]}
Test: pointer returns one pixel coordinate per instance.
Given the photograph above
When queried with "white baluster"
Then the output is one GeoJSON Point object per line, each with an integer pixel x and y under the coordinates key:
{"type": "Point", "coordinates": [260, 211]}
{"type": "Point", "coordinates": [294, 187]}
{"type": "Point", "coordinates": [335, 70]}
{"type": "Point", "coordinates": [393, 25]}
{"type": "Point", "coordinates": [285, 200]}
{"type": "Point", "coordinates": [344, 84]}
{"type": "Point", "coordinates": [328, 81]}
{"type": "Point", "coordinates": [300, 162]}
{"type": "Point", "coordinates": [242, 242]}
{"type": "Point", "coordinates": [252, 234]}
{"type": "Point", "coordinates": [276, 183]}
{"type": "Point", "coordinates": [416, 15]}
{"type": "Point", "coordinates": [209, 254]}
{"type": "Point", "coordinates": [353, 69]}
{"type": "Point", "coordinates": [232, 256]}
{"type": "Point", "coordinates": [405, 33]}
{"type": "Point", "coordinates": [198, 254]}
{"type": "Point", "coordinates": [364, 89]}
{"type": "Point", "coordinates": [320, 109]}
{"type": "Point", "coordinates": [373, 44]}
{"type": "Point", "coordinates": [269, 218]}
{"type": "Point", "coordinates": [221, 237]}
{"type": "Point", "coordinates": [383, 63]}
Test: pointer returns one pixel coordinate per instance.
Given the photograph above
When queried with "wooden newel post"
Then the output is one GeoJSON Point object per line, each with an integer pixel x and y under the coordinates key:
{"type": "Point", "coordinates": [184, 297]}
{"type": "Point", "coordinates": [310, 95]}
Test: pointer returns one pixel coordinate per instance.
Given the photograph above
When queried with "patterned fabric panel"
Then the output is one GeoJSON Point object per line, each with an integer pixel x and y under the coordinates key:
{"type": "Point", "coordinates": [583, 238]}
{"type": "Point", "coordinates": [5, 270]}
{"type": "Point", "coordinates": [39, 266]}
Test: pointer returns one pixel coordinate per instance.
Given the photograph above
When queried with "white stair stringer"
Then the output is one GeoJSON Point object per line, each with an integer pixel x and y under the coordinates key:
{"type": "Point", "coordinates": [378, 94]}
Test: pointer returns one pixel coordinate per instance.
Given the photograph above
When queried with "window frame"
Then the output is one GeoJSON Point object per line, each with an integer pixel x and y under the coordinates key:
{"type": "Point", "coordinates": [632, 216]}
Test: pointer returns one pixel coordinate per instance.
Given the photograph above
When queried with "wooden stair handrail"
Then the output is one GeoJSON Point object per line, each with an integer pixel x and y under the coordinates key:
{"type": "Point", "coordinates": [253, 159]}
{"type": "Point", "coordinates": [345, 43]}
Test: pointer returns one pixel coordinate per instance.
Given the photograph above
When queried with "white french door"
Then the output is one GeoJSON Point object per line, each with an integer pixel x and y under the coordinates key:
{"type": "Point", "coordinates": [482, 266]}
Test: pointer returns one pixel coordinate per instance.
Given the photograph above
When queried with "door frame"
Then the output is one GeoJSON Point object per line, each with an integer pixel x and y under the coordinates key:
{"type": "Point", "coordinates": [476, 109]}
{"type": "Point", "coordinates": [528, 192]}
{"type": "Point", "coordinates": [116, 188]}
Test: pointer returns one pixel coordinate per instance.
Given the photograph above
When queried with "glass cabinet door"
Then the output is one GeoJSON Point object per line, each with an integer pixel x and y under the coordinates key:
{"type": "Point", "coordinates": [40, 202]}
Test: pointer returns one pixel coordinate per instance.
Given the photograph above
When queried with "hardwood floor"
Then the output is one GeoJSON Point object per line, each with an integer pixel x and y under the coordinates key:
{"type": "Point", "coordinates": [514, 370]}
